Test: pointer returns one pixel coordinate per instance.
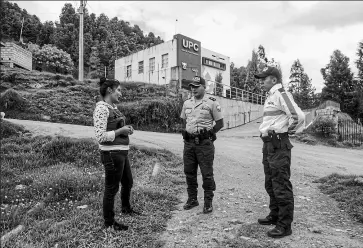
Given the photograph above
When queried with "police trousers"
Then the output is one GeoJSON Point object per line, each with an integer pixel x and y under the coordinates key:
{"type": "Point", "coordinates": [117, 169]}
{"type": "Point", "coordinates": [276, 164]}
{"type": "Point", "coordinates": [201, 154]}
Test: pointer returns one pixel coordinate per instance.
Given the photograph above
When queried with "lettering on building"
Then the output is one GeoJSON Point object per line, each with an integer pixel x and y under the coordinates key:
{"type": "Point", "coordinates": [189, 44]}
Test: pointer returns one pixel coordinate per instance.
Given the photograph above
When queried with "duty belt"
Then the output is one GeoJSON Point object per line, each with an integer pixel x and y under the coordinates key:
{"type": "Point", "coordinates": [195, 138]}
{"type": "Point", "coordinates": [270, 138]}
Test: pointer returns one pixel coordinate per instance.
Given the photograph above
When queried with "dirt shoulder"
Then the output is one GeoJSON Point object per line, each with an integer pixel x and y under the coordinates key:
{"type": "Point", "coordinates": [240, 197]}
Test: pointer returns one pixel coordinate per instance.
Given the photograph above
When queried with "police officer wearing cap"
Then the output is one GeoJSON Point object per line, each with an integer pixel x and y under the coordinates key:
{"type": "Point", "coordinates": [281, 117]}
{"type": "Point", "coordinates": [198, 114]}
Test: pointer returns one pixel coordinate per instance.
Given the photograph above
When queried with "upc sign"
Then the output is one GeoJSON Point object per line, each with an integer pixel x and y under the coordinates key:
{"type": "Point", "coordinates": [189, 44]}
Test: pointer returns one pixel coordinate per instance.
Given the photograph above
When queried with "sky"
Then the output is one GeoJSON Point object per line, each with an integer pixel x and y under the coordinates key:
{"type": "Point", "coordinates": [306, 30]}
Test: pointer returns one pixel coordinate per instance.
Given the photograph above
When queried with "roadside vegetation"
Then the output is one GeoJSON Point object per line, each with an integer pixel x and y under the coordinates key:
{"type": "Point", "coordinates": [44, 96]}
{"type": "Point", "coordinates": [347, 190]}
{"type": "Point", "coordinates": [323, 132]}
{"type": "Point", "coordinates": [52, 188]}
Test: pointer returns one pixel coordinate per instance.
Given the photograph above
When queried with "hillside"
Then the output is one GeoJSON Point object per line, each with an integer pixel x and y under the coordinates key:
{"type": "Point", "coordinates": [44, 96]}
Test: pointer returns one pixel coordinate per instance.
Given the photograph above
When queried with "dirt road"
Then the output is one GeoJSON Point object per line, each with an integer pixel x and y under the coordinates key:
{"type": "Point", "coordinates": [240, 197]}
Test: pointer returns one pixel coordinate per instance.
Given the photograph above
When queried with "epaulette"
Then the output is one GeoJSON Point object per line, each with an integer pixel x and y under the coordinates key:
{"type": "Point", "coordinates": [212, 98]}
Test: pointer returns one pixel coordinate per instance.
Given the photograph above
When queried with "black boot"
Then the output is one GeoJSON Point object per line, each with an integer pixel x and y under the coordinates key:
{"type": "Point", "coordinates": [125, 200]}
{"type": "Point", "coordinates": [191, 203]}
{"type": "Point", "coordinates": [269, 220]}
{"type": "Point", "coordinates": [279, 232]}
{"type": "Point", "coordinates": [130, 211]}
{"type": "Point", "coordinates": [208, 207]}
{"type": "Point", "coordinates": [117, 226]}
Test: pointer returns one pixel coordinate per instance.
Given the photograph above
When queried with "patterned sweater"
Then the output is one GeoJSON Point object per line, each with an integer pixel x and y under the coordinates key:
{"type": "Point", "coordinates": [100, 116]}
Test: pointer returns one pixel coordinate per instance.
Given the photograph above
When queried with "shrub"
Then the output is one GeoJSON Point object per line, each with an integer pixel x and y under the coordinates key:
{"type": "Point", "coordinates": [12, 100]}
{"type": "Point", "coordinates": [321, 123]}
{"type": "Point", "coordinates": [9, 129]}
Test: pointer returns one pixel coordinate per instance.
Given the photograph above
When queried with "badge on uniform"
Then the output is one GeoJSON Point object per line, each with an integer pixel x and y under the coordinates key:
{"type": "Point", "coordinates": [219, 108]}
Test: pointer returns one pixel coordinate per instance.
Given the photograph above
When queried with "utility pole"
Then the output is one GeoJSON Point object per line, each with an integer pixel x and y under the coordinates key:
{"type": "Point", "coordinates": [80, 65]}
{"type": "Point", "coordinates": [21, 31]}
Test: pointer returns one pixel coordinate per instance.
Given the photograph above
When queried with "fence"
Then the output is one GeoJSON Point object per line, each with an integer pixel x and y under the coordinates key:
{"type": "Point", "coordinates": [236, 93]}
{"type": "Point", "coordinates": [351, 131]}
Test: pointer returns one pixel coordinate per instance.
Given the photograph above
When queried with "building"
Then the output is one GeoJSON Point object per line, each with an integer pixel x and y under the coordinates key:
{"type": "Point", "coordinates": [174, 62]}
{"type": "Point", "coordinates": [14, 55]}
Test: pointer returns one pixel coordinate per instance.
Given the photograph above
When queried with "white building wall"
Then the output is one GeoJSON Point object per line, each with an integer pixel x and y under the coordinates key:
{"type": "Point", "coordinates": [148, 76]}
{"type": "Point", "coordinates": [210, 73]}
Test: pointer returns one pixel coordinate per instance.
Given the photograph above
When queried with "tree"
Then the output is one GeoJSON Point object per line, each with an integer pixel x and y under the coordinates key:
{"type": "Point", "coordinates": [359, 61]}
{"type": "Point", "coordinates": [238, 76]}
{"type": "Point", "coordinates": [51, 59]}
{"type": "Point", "coordinates": [300, 86]}
{"type": "Point", "coordinates": [94, 60]}
{"type": "Point", "coordinates": [338, 80]}
{"type": "Point", "coordinates": [251, 83]}
{"type": "Point", "coordinates": [46, 33]}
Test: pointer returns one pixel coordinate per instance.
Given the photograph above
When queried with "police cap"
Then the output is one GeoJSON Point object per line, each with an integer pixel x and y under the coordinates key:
{"type": "Point", "coordinates": [197, 81]}
{"type": "Point", "coordinates": [268, 71]}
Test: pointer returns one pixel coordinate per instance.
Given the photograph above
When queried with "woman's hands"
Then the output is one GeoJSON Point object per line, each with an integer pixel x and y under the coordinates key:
{"type": "Point", "coordinates": [125, 130]}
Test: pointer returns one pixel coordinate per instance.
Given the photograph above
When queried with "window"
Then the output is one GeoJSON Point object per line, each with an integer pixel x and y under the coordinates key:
{"type": "Point", "coordinates": [128, 71]}
{"type": "Point", "coordinates": [152, 64]}
{"type": "Point", "coordinates": [164, 61]}
{"type": "Point", "coordinates": [141, 67]}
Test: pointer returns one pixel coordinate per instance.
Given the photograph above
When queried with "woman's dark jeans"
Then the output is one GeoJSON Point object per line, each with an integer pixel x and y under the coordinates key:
{"type": "Point", "coordinates": [117, 169]}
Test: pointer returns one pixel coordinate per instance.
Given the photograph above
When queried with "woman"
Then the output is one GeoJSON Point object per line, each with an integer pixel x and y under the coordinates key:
{"type": "Point", "coordinates": [113, 137]}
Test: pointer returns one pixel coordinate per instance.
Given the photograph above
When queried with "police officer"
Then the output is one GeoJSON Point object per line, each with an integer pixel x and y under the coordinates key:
{"type": "Point", "coordinates": [281, 117]}
{"type": "Point", "coordinates": [198, 114]}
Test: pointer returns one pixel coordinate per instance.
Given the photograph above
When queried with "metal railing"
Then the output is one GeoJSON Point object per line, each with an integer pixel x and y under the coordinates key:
{"type": "Point", "coordinates": [350, 131]}
{"type": "Point", "coordinates": [237, 93]}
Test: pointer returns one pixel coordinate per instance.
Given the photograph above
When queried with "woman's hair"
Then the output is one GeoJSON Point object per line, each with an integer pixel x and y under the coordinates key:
{"type": "Point", "coordinates": [107, 83]}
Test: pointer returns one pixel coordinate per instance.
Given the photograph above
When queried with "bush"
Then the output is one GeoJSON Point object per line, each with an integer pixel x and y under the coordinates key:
{"type": "Point", "coordinates": [153, 114]}
{"type": "Point", "coordinates": [321, 123]}
{"type": "Point", "coordinates": [11, 100]}
{"type": "Point", "coordinates": [9, 129]}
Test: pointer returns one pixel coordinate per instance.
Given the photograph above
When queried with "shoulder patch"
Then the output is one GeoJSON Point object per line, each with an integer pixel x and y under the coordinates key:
{"type": "Point", "coordinates": [282, 90]}
{"type": "Point", "coordinates": [212, 98]}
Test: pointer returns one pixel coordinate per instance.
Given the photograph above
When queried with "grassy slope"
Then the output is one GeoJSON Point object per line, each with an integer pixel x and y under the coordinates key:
{"type": "Point", "coordinates": [59, 98]}
{"type": "Point", "coordinates": [62, 174]}
{"type": "Point", "coordinates": [347, 190]}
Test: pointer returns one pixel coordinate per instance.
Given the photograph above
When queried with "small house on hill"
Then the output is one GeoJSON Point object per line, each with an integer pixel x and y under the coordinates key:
{"type": "Point", "coordinates": [14, 55]}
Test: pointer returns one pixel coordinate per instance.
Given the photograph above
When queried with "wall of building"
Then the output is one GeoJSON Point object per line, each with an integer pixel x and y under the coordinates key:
{"type": "Point", "coordinates": [157, 75]}
{"type": "Point", "coordinates": [13, 54]}
{"type": "Point", "coordinates": [210, 73]}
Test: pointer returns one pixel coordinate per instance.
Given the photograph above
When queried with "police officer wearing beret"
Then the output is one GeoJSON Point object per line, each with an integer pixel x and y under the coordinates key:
{"type": "Point", "coordinates": [281, 117]}
{"type": "Point", "coordinates": [198, 114]}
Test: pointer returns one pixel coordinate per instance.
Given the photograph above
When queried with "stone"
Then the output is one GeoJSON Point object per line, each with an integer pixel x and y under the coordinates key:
{"type": "Point", "coordinates": [235, 222]}
{"type": "Point", "coordinates": [245, 238]}
{"type": "Point", "coordinates": [20, 187]}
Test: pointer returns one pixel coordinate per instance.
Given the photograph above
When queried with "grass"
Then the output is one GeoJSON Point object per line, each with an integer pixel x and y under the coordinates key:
{"type": "Point", "coordinates": [43, 96]}
{"type": "Point", "coordinates": [59, 174]}
{"type": "Point", "coordinates": [347, 190]}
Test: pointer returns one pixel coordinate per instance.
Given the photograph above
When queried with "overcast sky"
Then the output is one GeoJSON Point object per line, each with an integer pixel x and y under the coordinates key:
{"type": "Point", "coordinates": [309, 31]}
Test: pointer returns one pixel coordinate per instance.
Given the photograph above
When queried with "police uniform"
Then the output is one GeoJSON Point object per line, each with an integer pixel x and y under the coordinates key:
{"type": "Point", "coordinates": [199, 115]}
{"type": "Point", "coordinates": [281, 116]}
